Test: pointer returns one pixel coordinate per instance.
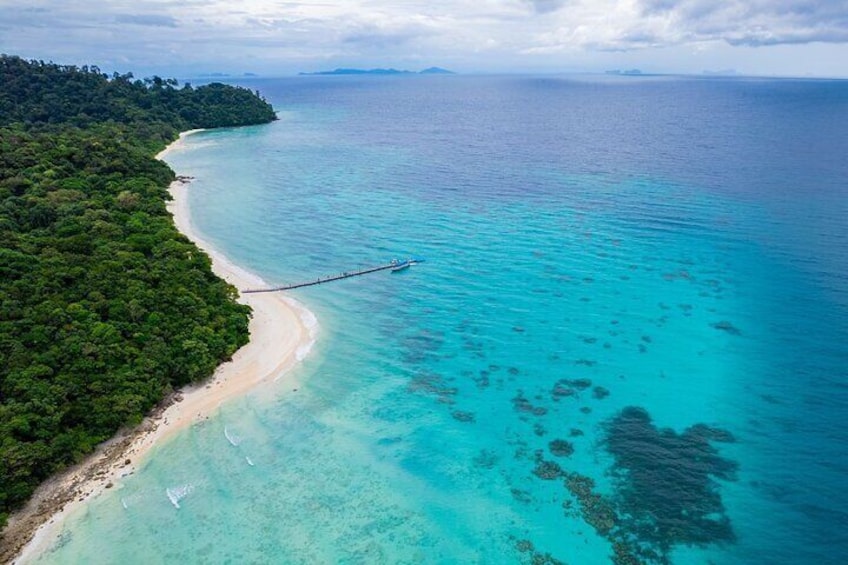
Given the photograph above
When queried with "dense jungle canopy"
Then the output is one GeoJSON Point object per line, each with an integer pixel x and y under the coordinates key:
{"type": "Point", "coordinates": [104, 307]}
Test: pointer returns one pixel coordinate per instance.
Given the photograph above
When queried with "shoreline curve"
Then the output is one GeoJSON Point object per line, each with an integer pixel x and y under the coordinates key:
{"type": "Point", "coordinates": [282, 331]}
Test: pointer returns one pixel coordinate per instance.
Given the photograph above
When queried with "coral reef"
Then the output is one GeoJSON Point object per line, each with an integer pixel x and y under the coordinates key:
{"type": "Point", "coordinates": [561, 448]}
{"type": "Point", "coordinates": [726, 326]}
{"type": "Point", "coordinates": [600, 392]}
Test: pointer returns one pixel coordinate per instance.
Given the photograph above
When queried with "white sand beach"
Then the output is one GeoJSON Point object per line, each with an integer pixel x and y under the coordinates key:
{"type": "Point", "coordinates": [281, 333]}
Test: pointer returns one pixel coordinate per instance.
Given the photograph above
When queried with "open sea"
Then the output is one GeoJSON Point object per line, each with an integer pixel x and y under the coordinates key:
{"type": "Point", "coordinates": [628, 342]}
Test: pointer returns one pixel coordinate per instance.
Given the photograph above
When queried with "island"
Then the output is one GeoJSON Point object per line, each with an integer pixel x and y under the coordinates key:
{"type": "Point", "coordinates": [626, 72]}
{"type": "Point", "coordinates": [380, 72]}
{"type": "Point", "coordinates": [107, 309]}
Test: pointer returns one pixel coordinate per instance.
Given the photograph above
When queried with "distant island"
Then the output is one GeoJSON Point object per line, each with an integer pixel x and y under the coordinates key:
{"type": "Point", "coordinates": [225, 75]}
{"type": "Point", "coordinates": [429, 71]}
{"type": "Point", "coordinates": [628, 72]}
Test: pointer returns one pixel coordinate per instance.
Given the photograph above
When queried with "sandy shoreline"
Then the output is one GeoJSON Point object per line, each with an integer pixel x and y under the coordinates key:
{"type": "Point", "coordinates": [281, 333]}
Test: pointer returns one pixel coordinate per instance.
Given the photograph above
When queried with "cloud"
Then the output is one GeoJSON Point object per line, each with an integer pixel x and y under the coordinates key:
{"type": "Point", "coordinates": [381, 31]}
{"type": "Point", "coordinates": [482, 34]}
{"type": "Point", "coordinates": [752, 22]}
{"type": "Point", "coordinates": [154, 20]}
{"type": "Point", "coordinates": [545, 6]}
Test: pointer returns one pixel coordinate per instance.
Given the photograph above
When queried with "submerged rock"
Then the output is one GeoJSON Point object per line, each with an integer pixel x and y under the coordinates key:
{"type": "Point", "coordinates": [561, 448]}
{"type": "Point", "coordinates": [433, 384]}
{"type": "Point", "coordinates": [597, 511]}
{"type": "Point", "coordinates": [569, 387]}
{"type": "Point", "coordinates": [548, 470]}
{"type": "Point", "coordinates": [545, 559]}
{"type": "Point", "coordinates": [462, 416]}
{"type": "Point", "coordinates": [665, 494]}
{"type": "Point", "coordinates": [600, 392]}
{"type": "Point", "coordinates": [561, 390]}
{"type": "Point", "coordinates": [521, 404]}
{"type": "Point", "coordinates": [667, 481]}
{"type": "Point", "coordinates": [580, 384]}
{"type": "Point", "coordinates": [524, 545]}
{"type": "Point", "coordinates": [485, 459]}
{"type": "Point", "coordinates": [726, 326]}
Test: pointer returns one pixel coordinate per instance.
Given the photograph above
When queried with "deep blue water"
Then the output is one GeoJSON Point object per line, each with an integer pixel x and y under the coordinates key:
{"type": "Point", "coordinates": [629, 334]}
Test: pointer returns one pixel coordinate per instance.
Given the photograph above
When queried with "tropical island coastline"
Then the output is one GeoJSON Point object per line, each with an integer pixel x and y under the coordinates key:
{"type": "Point", "coordinates": [282, 331]}
{"type": "Point", "coordinates": [95, 263]}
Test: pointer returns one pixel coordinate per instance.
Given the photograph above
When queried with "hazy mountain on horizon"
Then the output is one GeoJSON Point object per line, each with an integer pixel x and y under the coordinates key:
{"type": "Point", "coordinates": [380, 71]}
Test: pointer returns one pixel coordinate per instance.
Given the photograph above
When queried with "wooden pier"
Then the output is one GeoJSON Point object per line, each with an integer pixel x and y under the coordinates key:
{"type": "Point", "coordinates": [394, 265]}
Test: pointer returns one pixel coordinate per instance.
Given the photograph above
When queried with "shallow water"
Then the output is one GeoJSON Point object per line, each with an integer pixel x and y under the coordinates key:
{"type": "Point", "coordinates": [610, 263]}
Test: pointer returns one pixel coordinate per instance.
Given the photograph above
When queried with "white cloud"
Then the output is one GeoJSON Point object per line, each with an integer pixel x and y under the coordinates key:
{"type": "Point", "coordinates": [481, 34]}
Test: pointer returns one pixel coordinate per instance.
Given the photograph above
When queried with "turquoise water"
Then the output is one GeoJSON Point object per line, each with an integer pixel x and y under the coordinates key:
{"type": "Point", "coordinates": [643, 282]}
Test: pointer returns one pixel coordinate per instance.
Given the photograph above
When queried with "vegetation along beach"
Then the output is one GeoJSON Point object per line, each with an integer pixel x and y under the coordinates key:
{"type": "Point", "coordinates": [87, 184]}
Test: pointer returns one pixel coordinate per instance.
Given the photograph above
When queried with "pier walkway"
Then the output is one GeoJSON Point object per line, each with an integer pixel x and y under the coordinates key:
{"type": "Point", "coordinates": [394, 265]}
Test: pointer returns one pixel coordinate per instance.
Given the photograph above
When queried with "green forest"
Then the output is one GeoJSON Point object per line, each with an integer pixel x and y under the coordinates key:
{"type": "Point", "coordinates": [105, 307]}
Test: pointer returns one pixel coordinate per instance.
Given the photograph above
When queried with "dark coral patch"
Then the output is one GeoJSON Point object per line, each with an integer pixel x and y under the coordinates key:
{"type": "Point", "coordinates": [569, 387]}
{"type": "Point", "coordinates": [422, 345]}
{"type": "Point", "coordinates": [561, 448]}
{"type": "Point", "coordinates": [561, 389]}
{"type": "Point", "coordinates": [545, 559]}
{"type": "Point", "coordinates": [485, 459]}
{"type": "Point", "coordinates": [524, 545]}
{"type": "Point", "coordinates": [521, 404]}
{"type": "Point", "coordinates": [666, 492]}
{"type": "Point", "coordinates": [482, 380]}
{"type": "Point", "coordinates": [547, 470]}
{"type": "Point", "coordinates": [521, 495]}
{"type": "Point", "coordinates": [726, 326]}
{"type": "Point", "coordinates": [600, 392]}
{"type": "Point", "coordinates": [667, 480]}
{"type": "Point", "coordinates": [433, 384]}
{"type": "Point", "coordinates": [462, 416]}
{"type": "Point", "coordinates": [596, 510]}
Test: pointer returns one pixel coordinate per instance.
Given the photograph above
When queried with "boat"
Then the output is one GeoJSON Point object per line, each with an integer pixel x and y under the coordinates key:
{"type": "Point", "coordinates": [403, 265]}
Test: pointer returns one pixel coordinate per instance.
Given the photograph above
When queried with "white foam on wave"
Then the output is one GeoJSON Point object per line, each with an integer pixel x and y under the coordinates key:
{"type": "Point", "coordinates": [249, 461]}
{"type": "Point", "coordinates": [307, 317]}
{"type": "Point", "coordinates": [302, 351]}
{"type": "Point", "coordinates": [231, 437]}
{"type": "Point", "coordinates": [176, 494]}
{"type": "Point", "coordinates": [130, 500]}
{"type": "Point", "coordinates": [309, 320]}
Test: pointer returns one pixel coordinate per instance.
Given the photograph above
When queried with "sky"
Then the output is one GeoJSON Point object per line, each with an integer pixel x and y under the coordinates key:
{"type": "Point", "coordinates": [185, 38]}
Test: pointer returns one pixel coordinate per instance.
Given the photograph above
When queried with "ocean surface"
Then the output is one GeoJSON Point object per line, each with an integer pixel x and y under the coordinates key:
{"type": "Point", "coordinates": [628, 342]}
